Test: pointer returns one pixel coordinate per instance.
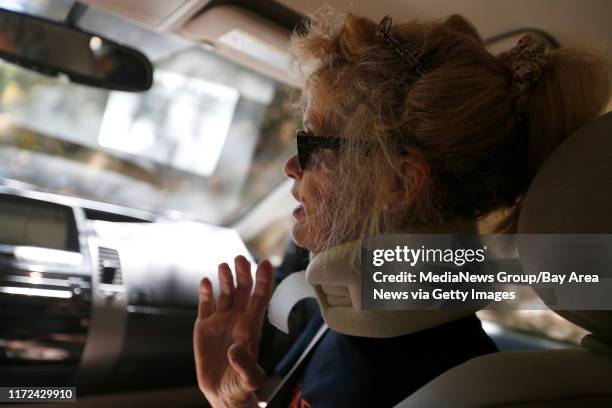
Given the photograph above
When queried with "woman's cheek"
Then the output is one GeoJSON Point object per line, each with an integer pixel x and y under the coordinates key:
{"type": "Point", "coordinates": [306, 225]}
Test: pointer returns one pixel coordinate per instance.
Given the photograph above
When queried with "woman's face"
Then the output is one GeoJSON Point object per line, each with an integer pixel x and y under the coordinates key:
{"type": "Point", "coordinates": [310, 188]}
{"type": "Point", "coordinates": [316, 189]}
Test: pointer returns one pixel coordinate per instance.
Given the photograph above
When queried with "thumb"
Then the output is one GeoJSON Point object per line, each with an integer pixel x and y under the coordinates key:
{"type": "Point", "coordinates": [244, 363]}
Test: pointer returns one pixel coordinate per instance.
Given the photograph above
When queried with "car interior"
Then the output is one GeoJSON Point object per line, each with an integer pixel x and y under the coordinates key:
{"type": "Point", "coordinates": [149, 150]}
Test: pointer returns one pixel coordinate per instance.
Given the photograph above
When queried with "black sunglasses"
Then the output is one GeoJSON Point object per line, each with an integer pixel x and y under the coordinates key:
{"type": "Point", "coordinates": [308, 145]}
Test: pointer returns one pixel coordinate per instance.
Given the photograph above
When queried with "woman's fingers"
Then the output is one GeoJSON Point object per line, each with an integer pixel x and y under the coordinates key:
{"type": "Point", "coordinates": [206, 305]}
{"type": "Point", "coordinates": [244, 282]}
{"type": "Point", "coordinates": [226, 284]}
{"type": "Point", "coordinates": [238, 297]}
{"type": "Point", "coordinates": [263, 289]}
{"type": "Point", "coordinates": [244, 363]}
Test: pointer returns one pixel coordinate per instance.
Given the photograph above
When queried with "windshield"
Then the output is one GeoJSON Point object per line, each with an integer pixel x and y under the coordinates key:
{"type": "Point", "coordinates": [206, 142]}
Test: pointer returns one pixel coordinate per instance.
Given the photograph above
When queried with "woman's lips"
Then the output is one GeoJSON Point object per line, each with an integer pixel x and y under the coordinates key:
{"type": "Point", "coordinates": [298, 211]}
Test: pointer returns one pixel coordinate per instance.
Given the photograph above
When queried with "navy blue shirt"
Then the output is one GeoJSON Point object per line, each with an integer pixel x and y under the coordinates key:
{"type": "Point", "coordinates": [348, 371]}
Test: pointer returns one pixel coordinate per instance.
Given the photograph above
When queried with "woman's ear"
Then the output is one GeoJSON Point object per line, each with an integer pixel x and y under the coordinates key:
{"type": "Point", "coordinates": [412, 174]}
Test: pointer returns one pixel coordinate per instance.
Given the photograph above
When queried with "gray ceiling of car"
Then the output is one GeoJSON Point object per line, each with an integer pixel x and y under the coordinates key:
{"type": "Point", "coordinates": [571, 22]}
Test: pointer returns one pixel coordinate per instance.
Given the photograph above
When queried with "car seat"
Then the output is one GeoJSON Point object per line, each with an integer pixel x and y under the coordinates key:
{"type": "Point", "coordinates": [571, 194]}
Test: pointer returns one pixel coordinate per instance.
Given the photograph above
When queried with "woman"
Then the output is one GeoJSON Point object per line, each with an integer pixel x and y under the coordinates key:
{"type": "Point", "coordinates": [413, 128]}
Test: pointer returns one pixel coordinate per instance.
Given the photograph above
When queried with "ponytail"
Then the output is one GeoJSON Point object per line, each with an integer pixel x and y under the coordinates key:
{"type": "Point", "coordinates": [572, 89]}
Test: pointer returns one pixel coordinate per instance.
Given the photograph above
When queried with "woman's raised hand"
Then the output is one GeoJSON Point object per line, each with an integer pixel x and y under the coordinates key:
{"type": "Point", "coordinates": [227, 333]}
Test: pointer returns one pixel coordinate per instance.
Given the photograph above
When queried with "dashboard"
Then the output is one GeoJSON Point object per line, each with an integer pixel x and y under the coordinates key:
{"type": "Point", "coordinates": [100, 297]}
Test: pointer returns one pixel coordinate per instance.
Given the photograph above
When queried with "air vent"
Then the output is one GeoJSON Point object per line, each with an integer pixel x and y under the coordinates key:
{"type": "Point", "coordinates": [109, 267]}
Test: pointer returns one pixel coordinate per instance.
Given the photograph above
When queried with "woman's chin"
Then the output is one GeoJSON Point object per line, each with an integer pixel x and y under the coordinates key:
{"type": "Point", "coordinates": [299, 235]}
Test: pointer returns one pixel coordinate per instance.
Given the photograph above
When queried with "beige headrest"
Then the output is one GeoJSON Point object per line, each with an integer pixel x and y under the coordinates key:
{"type": "Point", "coordinates": [572, 194]}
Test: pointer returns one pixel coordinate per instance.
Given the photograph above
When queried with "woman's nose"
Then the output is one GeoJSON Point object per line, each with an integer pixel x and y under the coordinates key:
{"type": "Point", "coordinates": [292, 169]}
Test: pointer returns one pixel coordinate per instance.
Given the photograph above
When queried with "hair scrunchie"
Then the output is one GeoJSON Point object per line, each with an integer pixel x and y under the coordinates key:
{"type": "Point", "coordinates": [526, 61]}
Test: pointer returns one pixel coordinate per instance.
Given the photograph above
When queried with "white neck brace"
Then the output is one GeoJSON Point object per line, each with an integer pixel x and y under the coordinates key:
{"type": "Point", "coordinates": [336, 284]}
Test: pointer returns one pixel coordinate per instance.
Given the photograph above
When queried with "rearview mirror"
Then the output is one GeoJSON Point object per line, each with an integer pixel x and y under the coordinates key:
{"type": "Point", "coordinates": [51, 48]}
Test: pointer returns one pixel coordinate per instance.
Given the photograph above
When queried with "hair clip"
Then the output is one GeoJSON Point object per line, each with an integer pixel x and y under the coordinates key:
{"type": "Point", "coordinates": [384, 31]}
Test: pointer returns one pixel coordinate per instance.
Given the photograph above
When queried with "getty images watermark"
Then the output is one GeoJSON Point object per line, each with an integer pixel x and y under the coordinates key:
{"type": "Point", "coordinates": [471, 271]}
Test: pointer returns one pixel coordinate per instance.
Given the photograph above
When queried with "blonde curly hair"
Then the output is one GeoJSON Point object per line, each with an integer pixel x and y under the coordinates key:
{"type": "Point", "coordinates": [459, 117]}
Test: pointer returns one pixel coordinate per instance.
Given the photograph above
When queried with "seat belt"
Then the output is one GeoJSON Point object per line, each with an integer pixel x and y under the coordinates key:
{"type": "Point", "coordinates": [277, 396]}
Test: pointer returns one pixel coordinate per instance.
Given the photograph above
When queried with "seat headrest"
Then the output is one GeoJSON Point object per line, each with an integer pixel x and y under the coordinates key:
{"type": "Point", "coordinates": [572, 194]}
